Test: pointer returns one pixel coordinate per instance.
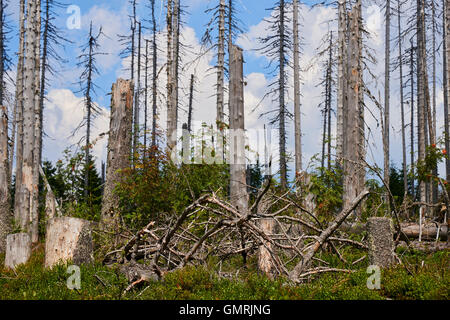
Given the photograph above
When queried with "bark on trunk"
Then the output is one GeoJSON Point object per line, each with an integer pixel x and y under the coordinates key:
{"type": "Point", "coordinates": [381, 241]}
{"type": "Point", "coordinates": [119, 146]}
{"type": "Point", "coordinates": [446, 67]}
{"type": "Point", "coordinates": [221, 66]}
{"type": "Point", "coordinates": [387, 94]}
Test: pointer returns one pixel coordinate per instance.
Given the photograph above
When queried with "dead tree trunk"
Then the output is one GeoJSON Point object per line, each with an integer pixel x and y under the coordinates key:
{"type": "Point", "coordinates": [67, 239]}
{"type": "Point", "coordinates": [18, 249]}
{"type": "Point", "coordinates": [24, 191]}
{"type": "Point", "coordinates": [381, 241]}
{"type": "Point", "coordinates": [297, 112]}
{"type": "Point", "coordinates": [37, 126]}
{"type": "Point", "coordinates": [387, 95]}
{"type": "Point", "coordinates": [5, 210]}
{"type": "Point", "coordinates": [17, 129]}
{"type": "Point", "coordinates": [446, 78]}
{"type": "Point", "coordinates": [221, 67]}
{"type": "Point", "coordinates": [171, 90]}
{"type": "Point", "coordinates": [238, 186]}
{"type": "Point", "coordinates": [342, 79]}
{"type": "Point", "coordinates": [353, 169]}
{"type": "Point", "coordinates": [119, 146]}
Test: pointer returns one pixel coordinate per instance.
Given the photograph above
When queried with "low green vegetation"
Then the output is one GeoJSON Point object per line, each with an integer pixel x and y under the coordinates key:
{"type": "Point", "coordinates": [421, 277]}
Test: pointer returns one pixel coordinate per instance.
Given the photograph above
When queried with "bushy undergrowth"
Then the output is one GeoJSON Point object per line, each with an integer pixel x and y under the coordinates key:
{"type": "Point", "coordinates": [428, 280]}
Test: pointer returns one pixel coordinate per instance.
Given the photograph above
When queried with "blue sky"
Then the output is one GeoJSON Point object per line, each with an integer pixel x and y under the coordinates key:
{"type": "Point", "coordinates": [64, 110]}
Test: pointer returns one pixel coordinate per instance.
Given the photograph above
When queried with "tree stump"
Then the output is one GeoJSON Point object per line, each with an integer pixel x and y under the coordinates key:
{"type": "Point", "coordinates": [68, 239]}
{"type": "Point", "coordinates": [381, 241]}
{"type": "Point", "coordinates": [18, 249]}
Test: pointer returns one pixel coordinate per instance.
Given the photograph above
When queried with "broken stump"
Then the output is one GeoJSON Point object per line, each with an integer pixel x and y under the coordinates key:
{"type": "Point", "coordinates": [18, 249]}
{"type": "Point", "coordinates": [68, 239]}
{"type": "Point", "coordinates": [381, 241]}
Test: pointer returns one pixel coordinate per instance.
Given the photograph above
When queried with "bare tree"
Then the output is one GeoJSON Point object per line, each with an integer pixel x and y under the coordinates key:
{"type": "Point", "coordinates": [5, 209]}
{"type": "Point", "coordinates": [277, 46]}
{"type": "Point", "coordinates": [342, 77]}
{"type": "Point", "coordinates": [297, 111]}
{"type": "Point", "coordinates": [446, 77]}
{"type": "Point", "coordinates": [387, 93]}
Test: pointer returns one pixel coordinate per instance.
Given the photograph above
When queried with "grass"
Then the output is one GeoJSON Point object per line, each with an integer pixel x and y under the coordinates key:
{"type": "Point", "coordinates": [427, 278]}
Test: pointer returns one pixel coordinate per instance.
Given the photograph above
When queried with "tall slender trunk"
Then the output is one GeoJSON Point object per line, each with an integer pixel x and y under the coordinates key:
{"type": "Point", "coordinates": [342, 79]}
{"type": "Point", "coordinates": [446, 77]}
{"type": "Point", "coordinates": [171, 125]}
{"type": "Point", "coordinates": [282, 104]}
{"type": "Point", "coordinates": [154, 69]}
{"type": "Point", "coordinates": [330, 90]}
{"type": "Point", "coordinates": [17, 129]}
{"type": "Point", "coordinates": [400, 59]}
{"type": "Point", "coordinates": [24, 191]}
{"type": "Point", "coordinates": [191, 99]}
{"type": "Point", "coordinates": [387, 94]}
{"type": "Point", "coordinates": [137, 97]}
{"type": "Point", "coordinates": [88, 101]}
{"type": "Point", "coordinates": [421, 88]}
{"type": "Point", "coordinates": [221, 66]}
{"type": "Point", "coordinates": [411, 79]}
{"type": "Point", "coordinates": [2, 52]}
{"type": "Point", "coordinates": [145, 98]}
{"type": "Point", "coordinates": [37, 127]}
{"type": "Point", "coordinates": [297, 111]}
{"type": "Point", "coordinates": [5, 210]}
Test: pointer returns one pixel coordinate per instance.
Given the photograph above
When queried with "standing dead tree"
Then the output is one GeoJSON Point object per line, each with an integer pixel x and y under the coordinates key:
{"type": "Point", "coordinates": [88, 61]}
{"type": "Point", "coordinates": [277, 46]}
{"type": "Point", "coordinates": [5, 209]}
{"type": "Point", "coordinates": [297, 111]}
{"type": "Point", "coordinates": [354, 171]}
{"type": "Point", "coordinates": [119, 146]}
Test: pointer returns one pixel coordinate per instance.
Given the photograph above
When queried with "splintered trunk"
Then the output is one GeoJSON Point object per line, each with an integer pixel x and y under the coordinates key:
{"type": "Point", "coordinates": [221, 66]}
{"type": "Point", "coordinates": [119, 146]}
{"type": "Point", "coordinates": [446, 58]}
{"type": "Point", "coordinates": [342, 79]}
{"type": "Point", "coordinates": [238, 185]}
{"type": "Point", "coordinates": [387, 94]}
{"type": "Point", "coordinates": [354, 172]}
{"type": "Point", "coordinates": [282, 104]}
{"type": "Point", "coordinates": [24, 193]}
{"type": "Point", "coordinates": [297, 112]}
{"type": "Point", "coordinates": [145, 98]}
{"type": "Point", "coordinates": [5, 210]}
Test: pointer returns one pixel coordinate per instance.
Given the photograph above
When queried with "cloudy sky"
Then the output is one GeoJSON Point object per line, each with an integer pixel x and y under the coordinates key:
{"type": "Point", "coordinates": [64, 108]}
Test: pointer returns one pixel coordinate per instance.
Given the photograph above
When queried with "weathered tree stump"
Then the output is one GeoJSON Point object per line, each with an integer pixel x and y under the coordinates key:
{"type": "Point", "coordinates": [68, 239]}
{"type": "Point", "coordinates": [18, 249]}
{"type": "Point", "coordinates": [381, 241]}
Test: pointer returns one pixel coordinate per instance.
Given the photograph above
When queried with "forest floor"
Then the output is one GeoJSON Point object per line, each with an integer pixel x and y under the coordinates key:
{"type": "Point", "coordinates": [422, 276]}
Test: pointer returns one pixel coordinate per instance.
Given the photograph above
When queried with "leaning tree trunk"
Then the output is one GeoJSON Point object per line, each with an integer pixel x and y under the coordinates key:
{"type": "Point", "coordinates": [24, 191]}
{"type": "Point", "coordinates": [297, 113]}
{"type": "Point", "coordinates": [353, 168]}
{"type": "Point", "coordinates": [119, 146]}
{"type": "Point", "coordinates": [5, 210]}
